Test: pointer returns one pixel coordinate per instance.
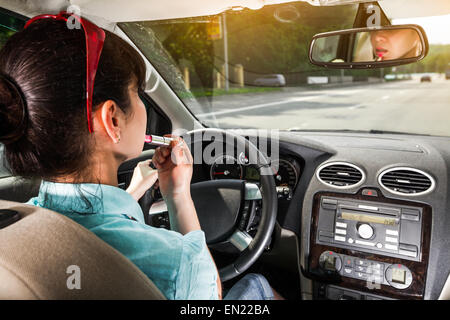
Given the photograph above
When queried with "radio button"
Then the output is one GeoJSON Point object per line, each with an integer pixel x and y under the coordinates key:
{"type": "Point", "coordinates": [391, 239]}
{"type": "Point", "coordinates": [361, 262]}
{"type": "Point", "coordinates": [390, 247]}
{"type": "Point", "coordinates": [391, 232]}
{"type": "Point", "coordinates": [339, 238]}
{"type": "Point", "coordinates": [379, 245]}
{"type": "Point", "coordinates": [376, 272]}
{"type": "Point", "coordinates": [376, 266]}
{"type": "Point", "coordinates": [365, 231]}
{"type": "Point", "coordinates": [350, 240]}
{"type": "Point", "coordinates": [348, 271]}
{"type": "Point", "coordinates": [341, 225]}
{"type": "Point", "coordinates": [365, 243]}
{"type": "Point", "coordinates": [348, 261]}
{"type": "Point", "coordinates": [361, 275]}
{"type": "Point", "coordinates": [361, 269]}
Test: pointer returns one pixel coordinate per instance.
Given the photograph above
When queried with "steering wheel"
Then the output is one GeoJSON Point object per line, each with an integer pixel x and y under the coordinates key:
{"type": "Point", "coordinates": [221, 205]}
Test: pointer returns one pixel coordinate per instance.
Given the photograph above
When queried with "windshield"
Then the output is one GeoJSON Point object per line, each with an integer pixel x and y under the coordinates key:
{"type": "Point", "coordinates": [250, 69]}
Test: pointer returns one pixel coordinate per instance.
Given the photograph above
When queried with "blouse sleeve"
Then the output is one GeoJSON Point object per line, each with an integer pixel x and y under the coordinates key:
{"type": "Point", "coordinates": [197, 274]}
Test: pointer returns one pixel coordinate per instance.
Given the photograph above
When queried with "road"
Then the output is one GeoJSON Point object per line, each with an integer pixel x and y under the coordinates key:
{"type": "Point", "coordinates": [403, 106]}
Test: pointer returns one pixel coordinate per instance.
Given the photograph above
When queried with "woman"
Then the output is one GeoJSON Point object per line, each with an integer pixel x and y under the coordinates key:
{"type": "Point", "coordinates": [395, 44]}
{"type": "Point", "coordinates": [56, 127]}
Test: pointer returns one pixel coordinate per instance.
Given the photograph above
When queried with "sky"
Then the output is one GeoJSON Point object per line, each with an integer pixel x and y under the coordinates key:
{"type": "Point", "coordinates": [437, 28]}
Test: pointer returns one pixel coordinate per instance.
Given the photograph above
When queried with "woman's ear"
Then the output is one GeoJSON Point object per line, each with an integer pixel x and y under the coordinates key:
{"type": "Point", "coordinates": [109, 118]}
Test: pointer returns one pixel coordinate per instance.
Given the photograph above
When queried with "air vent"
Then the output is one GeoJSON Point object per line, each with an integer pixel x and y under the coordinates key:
{"type": "Point", "coordinates": [406, 181]}
{"type": "Point", "coordinates": [340, 175]}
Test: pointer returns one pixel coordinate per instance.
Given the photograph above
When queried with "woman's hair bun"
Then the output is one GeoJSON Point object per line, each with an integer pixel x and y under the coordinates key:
{"type": "Point", "coordinates": [13, 111]}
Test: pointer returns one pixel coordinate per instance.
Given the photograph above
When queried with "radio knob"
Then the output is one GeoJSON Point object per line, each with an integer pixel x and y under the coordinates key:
{"type": "Point", "coordinates": [365, 231]}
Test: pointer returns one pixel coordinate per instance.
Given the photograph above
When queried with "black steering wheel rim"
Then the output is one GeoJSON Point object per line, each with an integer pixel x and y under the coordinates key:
{"type": "Point", "coordinates": [268, 196]}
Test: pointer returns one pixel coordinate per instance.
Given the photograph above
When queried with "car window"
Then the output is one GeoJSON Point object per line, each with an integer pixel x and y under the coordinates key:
{"type": "Point", "coordinates": [222, 68]}
{"type": "Point", "coordinates": [9, 24]}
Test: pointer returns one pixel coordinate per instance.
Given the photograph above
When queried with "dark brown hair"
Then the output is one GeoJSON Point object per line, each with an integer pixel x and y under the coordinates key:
{"type": "Point", "coordinates": [47, 63]}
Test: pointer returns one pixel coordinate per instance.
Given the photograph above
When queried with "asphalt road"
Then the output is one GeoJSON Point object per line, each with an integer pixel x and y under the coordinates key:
{"type": "Point", "coordinates": [403, 106]}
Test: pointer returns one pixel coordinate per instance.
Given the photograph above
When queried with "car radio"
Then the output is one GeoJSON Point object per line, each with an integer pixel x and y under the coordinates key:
{"type": "Point", "coordinates": [373, 227]}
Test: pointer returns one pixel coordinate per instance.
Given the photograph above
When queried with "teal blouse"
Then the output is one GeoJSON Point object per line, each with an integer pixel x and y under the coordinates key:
{"type": "Point", "coordinates": [179, 265]}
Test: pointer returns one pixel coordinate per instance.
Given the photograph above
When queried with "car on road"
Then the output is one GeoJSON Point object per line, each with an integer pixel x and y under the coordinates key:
{"type": "Point", "coordinates": [271, 80]}
{"type": "Point", "coordinates": [333, 190]}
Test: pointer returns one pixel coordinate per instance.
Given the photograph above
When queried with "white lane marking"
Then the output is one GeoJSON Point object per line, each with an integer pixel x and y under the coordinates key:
{"type": "Point", "coordinates": [356, 106]}
{"type": "Point", "coordinates": [257, 106]}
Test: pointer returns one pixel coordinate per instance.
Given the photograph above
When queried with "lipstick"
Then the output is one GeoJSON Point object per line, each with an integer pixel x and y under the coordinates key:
{"type": "Point", "coordinates": [157, 140]}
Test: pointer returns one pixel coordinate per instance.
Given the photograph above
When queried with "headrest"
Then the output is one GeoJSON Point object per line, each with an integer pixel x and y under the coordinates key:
{"type": "Point", "coordinates": [45, 255]}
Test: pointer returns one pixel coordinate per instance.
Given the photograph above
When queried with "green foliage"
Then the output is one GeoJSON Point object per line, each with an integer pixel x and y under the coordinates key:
{"type": "Point", "coordinates": [262, 41]}
{"type": "Point", "coordinates": [437, 60]}
{"type": "Point", "coordinates": [5, 34]}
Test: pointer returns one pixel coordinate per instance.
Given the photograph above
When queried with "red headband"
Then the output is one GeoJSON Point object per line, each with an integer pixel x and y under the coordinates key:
{"type": "Point", "coordinates": [95, 37]}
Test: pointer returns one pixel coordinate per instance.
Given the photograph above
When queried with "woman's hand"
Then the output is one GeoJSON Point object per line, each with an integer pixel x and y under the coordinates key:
{"type": "Point", "coordinates": [174, 164]}
{"type": "Point", "coordinates": [144, 177]}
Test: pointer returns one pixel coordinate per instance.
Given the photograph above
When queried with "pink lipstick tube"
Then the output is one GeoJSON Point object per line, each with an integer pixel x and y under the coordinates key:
{"type": "Point", "coordinates": [157, 140]}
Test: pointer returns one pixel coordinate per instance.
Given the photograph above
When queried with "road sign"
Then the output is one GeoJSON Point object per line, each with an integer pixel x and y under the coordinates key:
{"type": "Point", "coordinates": [214, 29]}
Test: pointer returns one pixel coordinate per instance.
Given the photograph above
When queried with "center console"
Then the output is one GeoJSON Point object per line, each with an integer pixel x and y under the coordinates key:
{"type": "Point", "coordinates": [366, 246]}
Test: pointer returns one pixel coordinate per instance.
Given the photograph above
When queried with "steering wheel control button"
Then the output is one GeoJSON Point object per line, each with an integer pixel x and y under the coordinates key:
{"type": "Point", "coordinates": [252, 191]}
{"type": "Point", "coordinates": [240, 240]}
{"type": "Point", "coordinates": [399, 276]}
{"type": "Point", "coordinates": [365, 231]}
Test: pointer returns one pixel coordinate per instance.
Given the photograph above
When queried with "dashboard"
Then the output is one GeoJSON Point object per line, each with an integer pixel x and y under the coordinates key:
{"type": "Point", "coordinates": [287, 172]}
{"type": "Point", "coordinates": [369, 210]}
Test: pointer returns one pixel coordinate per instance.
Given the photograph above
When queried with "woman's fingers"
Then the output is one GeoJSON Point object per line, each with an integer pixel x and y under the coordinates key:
{"type": "Point", "coordinates": [178, 151]}
{"type": "Point", "coordinates": [158, 157]}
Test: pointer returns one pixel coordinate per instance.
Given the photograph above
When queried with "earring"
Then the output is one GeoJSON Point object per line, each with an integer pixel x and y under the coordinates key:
{"type": "Point", "coordinates": [118, 140]}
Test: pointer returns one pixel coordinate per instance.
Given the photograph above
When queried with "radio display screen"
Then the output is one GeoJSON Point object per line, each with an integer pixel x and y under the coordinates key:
{"type": "Point", "coordinates": [346, 215]}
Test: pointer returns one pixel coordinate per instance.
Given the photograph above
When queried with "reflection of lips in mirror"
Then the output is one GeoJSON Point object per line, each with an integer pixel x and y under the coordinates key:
{"type": "Point", "coordinates": [380, 52]}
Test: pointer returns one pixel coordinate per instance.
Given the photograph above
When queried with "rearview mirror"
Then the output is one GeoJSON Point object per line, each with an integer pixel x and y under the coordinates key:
{"type": "Point", "coordinates": [373, 47]}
